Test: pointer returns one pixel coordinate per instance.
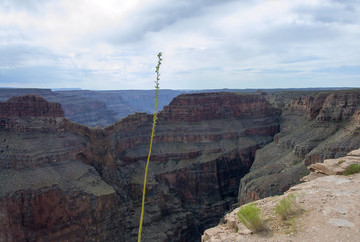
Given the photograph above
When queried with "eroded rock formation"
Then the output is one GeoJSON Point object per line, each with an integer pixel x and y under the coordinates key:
{"type": "Point", "coordinates": [197, 161]}
{"type": "Point", "coordinates": [204, 148]}
{"type": "Point", "coordinates": [313, 127]}
{"type": "Point", "coordinates": [204, 144]}
{"type": "Point", "coordinates": [30, 106]}
{"type": "Point", "coordinates": [45, 193]}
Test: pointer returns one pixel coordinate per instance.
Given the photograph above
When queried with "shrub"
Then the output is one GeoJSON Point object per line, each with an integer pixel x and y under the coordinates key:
{"type": "Point", "coordinates": [251, 216]}
{"type": "Point", "coordinates": [352, 169]}
{"type": "Point", "coordinates": [287, 207]}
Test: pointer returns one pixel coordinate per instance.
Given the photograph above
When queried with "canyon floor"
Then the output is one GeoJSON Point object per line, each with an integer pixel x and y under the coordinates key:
{"type": "Point", "coordinates": [330, 211]}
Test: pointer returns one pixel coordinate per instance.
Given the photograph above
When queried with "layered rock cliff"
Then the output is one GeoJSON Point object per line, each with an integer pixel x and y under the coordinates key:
{"type": "Point", "coordinates": [204, 144]}
{"type": "Point", "coordinates": [79, 109]}
{"type": "Point", "coordinates": [31, 106]}
{"type": "Point", "coordinates": [46, 194]}
{"type": "Point", "coordinates": [96, 108]}
{"type": "Point", "coordinates": [197, 161]}
{"type": "Point", "coordinates": [204, 148]}
{"type": "Point", "coordinates": [313, 127]}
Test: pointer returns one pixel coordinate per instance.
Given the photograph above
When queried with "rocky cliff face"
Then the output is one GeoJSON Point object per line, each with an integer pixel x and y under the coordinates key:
{"type": "Point", "coordinates": [194, 172]}
{"type": "Point", "coordinates": [97, 108]}
{"type": "Point", "coordinates": [46, 194]}
{"type": "Point", "coordinates": [30, 106]}
{"type": "Point", "coordinates": [197, 161]}
{"type": "Point", "coordinates": [65, 181]}
{"type": "Point", "coordinates": [80, 109]}
{"type": "Point", "coordinates": [312, 128]}
{"type": "Point", "coordinates": [207, 106]}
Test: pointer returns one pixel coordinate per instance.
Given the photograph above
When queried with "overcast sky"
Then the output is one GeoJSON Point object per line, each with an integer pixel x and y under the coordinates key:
{"type": "Point", "coordinates": [206, 44]}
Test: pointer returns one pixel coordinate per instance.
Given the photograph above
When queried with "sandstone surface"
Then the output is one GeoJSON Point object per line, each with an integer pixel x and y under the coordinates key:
{"type": "Point", "coordinates": [333, 166]}
{"type": "Point", "coordinates": [330, 212]}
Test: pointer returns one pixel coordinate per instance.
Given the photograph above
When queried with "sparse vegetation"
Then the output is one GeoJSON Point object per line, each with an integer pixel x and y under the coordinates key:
{"type": "Point", "coordinates": [352, 169]}
{"type": "Point", "coordinates": [251, 216]}
{"type": "Point", "coordinates": [287, 207]}
{"type": "Point", "coordinates": [292, 223]}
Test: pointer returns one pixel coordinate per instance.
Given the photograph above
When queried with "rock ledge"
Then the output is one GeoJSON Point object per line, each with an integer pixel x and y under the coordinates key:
{"type": "Point", "coordinates": [331, 204]}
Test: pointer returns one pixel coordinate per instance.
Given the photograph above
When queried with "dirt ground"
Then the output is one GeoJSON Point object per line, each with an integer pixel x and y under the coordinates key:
{"type": "Point", "coordinates": [330, 211]}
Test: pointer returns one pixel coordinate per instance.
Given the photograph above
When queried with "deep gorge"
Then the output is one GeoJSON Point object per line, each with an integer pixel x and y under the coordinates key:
{"type": "Point", "coordinates": [211, 150]}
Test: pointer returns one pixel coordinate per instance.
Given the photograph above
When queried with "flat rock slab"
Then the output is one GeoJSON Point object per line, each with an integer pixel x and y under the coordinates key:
{"type": "Point", "coordinates": [341, 222]}
{"type": "Point", "coordinates": [354, 153]}
{"type": "Point", "coordinates": [333, 166]}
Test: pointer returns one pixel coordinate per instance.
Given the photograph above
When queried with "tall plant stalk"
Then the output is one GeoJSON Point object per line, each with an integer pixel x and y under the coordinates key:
{"type": "Point", "coordinates": [151, 141]}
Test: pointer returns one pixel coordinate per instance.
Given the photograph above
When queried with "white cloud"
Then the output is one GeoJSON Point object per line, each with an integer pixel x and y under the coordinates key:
{"type": "Point", "coordinates": [206, 44]}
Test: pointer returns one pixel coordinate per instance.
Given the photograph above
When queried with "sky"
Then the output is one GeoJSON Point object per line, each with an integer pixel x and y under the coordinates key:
{"type": "Point", "coordinates": [206, 44]}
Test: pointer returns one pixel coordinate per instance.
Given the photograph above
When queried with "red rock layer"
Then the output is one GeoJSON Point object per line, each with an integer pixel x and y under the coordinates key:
{"type": "Point", "coordinates": [207, 106]}
{"type": "Point", "coordinates": [30, 106]}
{"type": "Point", "coordinates": [203, 145]}
{"type": "Point", "coordinates": [336, 106]}
{"type": "Point", "coordinates": [52, 214]}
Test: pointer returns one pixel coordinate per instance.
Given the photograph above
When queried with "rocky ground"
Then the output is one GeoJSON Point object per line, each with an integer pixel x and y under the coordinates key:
{"type": "Point", "coordinates": [330, 209]}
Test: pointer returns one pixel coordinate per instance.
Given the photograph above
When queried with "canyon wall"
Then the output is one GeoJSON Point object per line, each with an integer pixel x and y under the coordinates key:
{"type": "Point", "coordinates": [96, 108]}
{"type": "Point", "coordinates": [91, 179]}
{"type": "Point", "coordinates": [313, 127]}
{"type": "Point", "coordinates": [31, 105]}
{"type": "Point", "coordinates": [46, 194]}
{"type": "Point", "coordinates": [65, 181]}
{"type": "Point", "coordinates": [204, 144]}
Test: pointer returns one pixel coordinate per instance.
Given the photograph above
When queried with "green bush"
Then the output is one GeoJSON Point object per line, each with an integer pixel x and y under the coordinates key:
{"type": "Point", "coordinates": [287, 207]}
{"type": "Point", "coordinates": [251, 216]}
{"type": "Point", "coordinates": [352, 169]}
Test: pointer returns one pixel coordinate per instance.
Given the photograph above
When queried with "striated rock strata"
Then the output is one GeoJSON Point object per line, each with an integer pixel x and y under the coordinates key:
{"type": "Point", "coordinates": [88, 182]}
{"type": "Point", "coordinates": [313, 127]}
{"type": "Point", "coordinates": [65, 181]}
{"type": "Point", "coordinates": [97, 108]}
{"type": "Point", "coordinates": [197, 161]}
{"type": "Point", "coordinates": [31, 106]}
{"type": "Point", "coordinates": [46, 194]}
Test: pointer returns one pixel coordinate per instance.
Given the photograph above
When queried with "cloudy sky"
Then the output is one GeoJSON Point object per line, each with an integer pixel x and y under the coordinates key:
{"type": "Point", "coordinates": [206, 44]}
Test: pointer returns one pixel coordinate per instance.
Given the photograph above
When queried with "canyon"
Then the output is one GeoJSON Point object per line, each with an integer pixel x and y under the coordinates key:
{"type": "Point", "coordinates": [61, 180]}
{"type": "Point", "coordinates": [313, 127]}
{"type": "Point", "coordinates": [96, 108]}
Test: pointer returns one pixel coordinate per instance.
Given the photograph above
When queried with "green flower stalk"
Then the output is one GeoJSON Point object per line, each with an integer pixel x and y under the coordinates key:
{"type": "Point", "coordinates": [151, 141]}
